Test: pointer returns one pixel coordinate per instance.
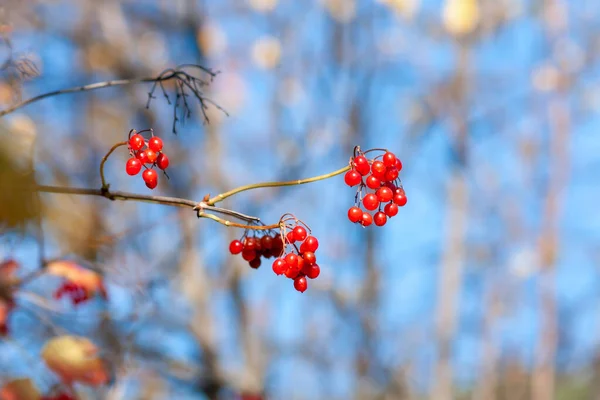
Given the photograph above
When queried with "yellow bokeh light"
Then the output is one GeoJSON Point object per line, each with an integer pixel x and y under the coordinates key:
{"type": "Point", "coordinates": [404, 8]}
{"type": "Point", "coordinates": [460, 17]}
{"type": "Point", "coordinates": [212, 40]}
{"type": "Point", "coordinates": [266, 52]}
{"type": "Point", "coordinates": [343, 11]}
{"type": "Point", "coordinates": [263, 5]}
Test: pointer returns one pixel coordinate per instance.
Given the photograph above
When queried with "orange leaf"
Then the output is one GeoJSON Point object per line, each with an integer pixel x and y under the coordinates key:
{"type": "Point", "coordinates": [91, 281]}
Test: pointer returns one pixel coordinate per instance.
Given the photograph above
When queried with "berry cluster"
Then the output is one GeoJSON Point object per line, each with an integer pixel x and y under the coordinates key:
{"type": "Point", "coordinates": [75, 291]}
{"type": "Point", "coordinates": [144, 153]}
{"type": "Point", "coordinates": [381, 176]}
{"type": "Point", "coordinates": [252, 248]}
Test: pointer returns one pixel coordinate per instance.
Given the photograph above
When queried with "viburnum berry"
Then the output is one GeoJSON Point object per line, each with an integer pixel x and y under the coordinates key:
{"type": "Point", "coordinates": [385, 194]}
{"type": "Point", "coordinates": [389, 159]}
{"type": "Point", "coordinates": [400, 198]}
{"type": "Point", "coordinates": [352, 178]}
{"type": "Point", "coordinates": [162, 161]}
{"type": "Point", "coordinates": [151, 178]}
{"type": "Point", "coordinates": [378, 170]}
{"type": "Point", "coordinates": [398, 165]}
{"type": "Point", "coordinates": [155, 144]}
{"type": "Point", "coordinates": [250, 243]}
{"type": "Point", "coordinates": [300, 283]}
{"type": "Point", "coordinates": [248, 255]}
{"type": "Point", "coordinates": [299, 233]}
{"type": "Point", "coordinates": [310, 244]}
{"type": "Point", "coordinates": [136, 142]}
{"type": "Point", "coordinates": [151, 155]}
{"type": "Point", "coordinates": [311, 271]}
{"type": "Point", "coordinates": [309, 257]}
{"type": "Point", "coordinates": [292, 260]}
{"type": "Point", "coordinates": [379, 218]}
{"type": "Point", "coordinates": [391, 209]}
{"type": "Point", "coordinates": [355, 214]}
{"type": "Point", "coordinates": [133, 166]}
{"type": "Point", "coordinates": [255, 263]}
{"type": "Point", "coordinates": [366, 219]}
{"type": "Point", "coordinates": [236, 247]}
{"type": "Point", "coordinates": [291, 272]}
{"type": "Point", "coordinates": [266, 242]}
{"type": "Point", "coordinates": [361, 165]}
{"type": "Point", "coordinates": [373, 182]}
{"type": "Point", "coordinates": [290, 237]}
{"type": "Point", "coordinates": [142, 156]}
{"type": "Point", "coordinates": [370, 202]}
{"type": "Point", "coordinates": [391, 174]}
{"type": "Point", "coordinates": [279, 266]}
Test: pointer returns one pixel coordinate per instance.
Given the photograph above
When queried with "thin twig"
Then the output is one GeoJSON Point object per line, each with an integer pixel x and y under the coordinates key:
{"type": "Point", "coordinates": [116, 146]}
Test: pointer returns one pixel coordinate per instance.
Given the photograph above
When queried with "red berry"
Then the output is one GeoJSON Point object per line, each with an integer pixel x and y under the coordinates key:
{"type": "Point", "coordinates": [133, 166]}
{"type": "Point", "coordinates": [236, 247]}
{"type": "Point", "coordinates": [385, 194]}
{"type": "Point", "coordinates": [391, 209]}
{"type": "Point", "coordinates": [380, 218]}
{"type": "Point", "coordinates": [292, 260]}
{"type": "Point", "coordinates": [162, 161]}
{"type": "Point", "coordinates": [391, 174]}
{"type": "Point", "coordinates": [151, 155]}
{"type": "Point", "coordinates": [398, 164]}
{"type": "Point", "coordinates": [355, 214]}
{"type": "Point", "coordinates": [311, 271]}
{"type": "Point", "coordinates": [255, 263]}
{"type": "Point", "coordinates": [378, 170]}
{"type": "Point", "coordinates": [250, 243]}
{"type": "Point", "coordinates": [310, 244]}
{"type": "Point", "coordinates": [142, 156]}
{"type": "Point", "coordinates": [136, 142]}
{"type": "Point", "coordinates": [361, 165]}
{"type": "Point", "coordinates": [279, 266]}
{"type": "Point", "coordinates": [290, 237]}
{"type": "Point", "coordinates": [299, 233]}
{"type": "Point", "coordinates": [151, 178]}
{"type": "Point", "coordinates": [370, 202]}
{"type": "Point", "coordinates": [155, 144]}
{"type": "Point", "coordinates": [366, 219]}
{"type": "Point", "coordinates": [400, 198]}
{"type": "Point", "coordinates": [389, 159]}
{"type": "Point", "coordinates": [352, 178]}
{"type": "Point", "coordinates": [373, 182]}
{"type": "Point", "coordinates": [300, 283]}
{"type": "Point", "coordinates": [248, 255]}
{"type": "Point", "coordinates": [309, 257]}
{"type": "Point", "coordinates": [291, 272]}
{"type": "Point", "coordinates": [266, 242]}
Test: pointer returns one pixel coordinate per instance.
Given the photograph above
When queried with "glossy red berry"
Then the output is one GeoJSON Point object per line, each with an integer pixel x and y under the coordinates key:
{"type": "Point", "coordinates": [151, 178]}
{"type": "Point", "coordinates": [355, 214]}
{"type": "Point", "coordinates": [162, 161]}
{"type": "Point", "coordinates": [279, 266]}
{"type": "Point", "coordinates": [255, 262]}
{"type": "Point", "coordinates": [151, 155]}
{"type": "Point", "coordinates": [300, 283]}
{"type": "Point", "coordinates": [391, 174]}
{"type": "Point", "coordinates": [309, 257]}
{"type": "Point", "coordinates": [378, 170]}
{"type": "Point", "coordinates": [391, 209]}
{"type": "Point", "coordinates": [400, 198]}
{"type": "Point", "coordinates": [366, 219]}
{"type": "Point", "coordinates": [133, 166]}
{"type": "Point", "coordinates": [373, 182]}
{"type": "Point", "coordinates": [299, 233]}
{"type": "Point", "coordinates": [361, 165]}
{"type": "Point", "coordinates": [266, 242]}
{"type": "Point", "coordinates": [155, 144]}
{"type": "Point", "coordinates": [290, 237]}
{"type": "Point", "coordinates": [310, 244]}
{"type": "Point", "coordinates": [385, 194]}
{"type": "Point", "coordinates": [389, 159]}
{"type": "Point", "coordinates": [311, 271]}
{"type": "Point", "coordinates": [136, 142]}
{"type": "Point", "coordinates": [292, 260]}
{"type": "Point", "coordinates": [250, 243]}
{"type": "Point", "coordinates": [142, 156]}
{"type": "Point", "coordinates": [291, 272]}
{"type": "Point", "coordinates": [398, 164]}
{"type": "Point", "coordinates": [236, 247]}
{"type": "Point", "coordinates": [352, 178]}
{"type": "Point", "coordinates": [248, 255]}
{"type": "Point", "coordinates": [380, 218]}
{"type": "Point", "coordinates": [370, 202]}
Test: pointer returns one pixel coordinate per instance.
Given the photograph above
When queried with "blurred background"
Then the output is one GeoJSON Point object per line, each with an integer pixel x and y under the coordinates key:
{"type": "Point", "coordinates": [485, 286]}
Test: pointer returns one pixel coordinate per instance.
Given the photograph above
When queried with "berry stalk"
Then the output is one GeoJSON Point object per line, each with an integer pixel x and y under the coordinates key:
{"type": "Point", "coordinates": [116, 146]}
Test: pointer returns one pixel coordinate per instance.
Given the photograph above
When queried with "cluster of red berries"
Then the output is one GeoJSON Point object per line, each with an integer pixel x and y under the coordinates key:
{"type": "Point", "coordinates": [252, 248]}
{"type": "Point", "coordinates": [146, 153]}
{"type": "Point", "coordinates": [381, 175]}
{"type": "Point", "coordinates": [76, 292]}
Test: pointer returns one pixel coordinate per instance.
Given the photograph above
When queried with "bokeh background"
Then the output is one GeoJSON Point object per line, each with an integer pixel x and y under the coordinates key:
{"type": "Point", "coordinates": [485, 286]}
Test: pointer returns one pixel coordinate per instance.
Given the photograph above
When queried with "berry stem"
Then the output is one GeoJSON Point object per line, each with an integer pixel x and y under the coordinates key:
{"type": "Point", "coordinates": [202, 214]}
{"type": "Point", "coordinates": [223, 196]}
{"type": "Point", "coordinates": [116, 146]}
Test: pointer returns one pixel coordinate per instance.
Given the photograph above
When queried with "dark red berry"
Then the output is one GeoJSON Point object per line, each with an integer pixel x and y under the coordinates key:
{"type": "Point", "coordinates": [250, 243]}
{"type": "Point", "coordinates": [162, 161]}
{"type": "Point", "coordinates": [385, 194]}
{"type": "Point", "coordinates": [391, 174]}
{"type": "Point", "coordinates": [352, 178]}
{"type": "Point", "coordinates": [150, 177]}
{"type": "Point", "coordinates": [255, 263]}
{"type": "Point", "coordinates": [300, 283]}
{"type": "Point", "coordinates": [373, 182]}
{"type": "Point", "coordinates": [309, 257]}
{"type": "Point", "coordinates": [133, 166]}
{"type": "Point", "coordinates": [370, 202]}
{"type": "Point", "coordinates": [311, 271]}
{"type": "Point", "coordinates": [361, 165]}
{"type": "Point", "coordinates": [400, 198]}
{"type": "Point", "coordinates": [279, 266]}
{"type": "Point", "coordinates": [380, 218]}
{"type": "Point", "coordinates": [366, 219]}
{"type": "Point", "coordinates": [136, 142]}
{"type": "Point", "coordinates": [355, 214]}
{"type": "Point", "coordinates": [151, 155]}
{"type": "Point", "coordinates": [236, 247]}
{"type": "Point", "coordinates": [310, 244]}
{"type": "Point", "coordinates": [299, 233]}
{"type": "Point", "coordinates": [292, 260]}
{"type": "Point", "coordinates": [155, 144]}
{"type": "Point", "coordinates": [266, 242]}
{"type": "Point", "coordinates": [389, 159]}
{"type": "Point", "coordinates": [391, 209]}
{"type": "Point", "coordinates": [248, 255]}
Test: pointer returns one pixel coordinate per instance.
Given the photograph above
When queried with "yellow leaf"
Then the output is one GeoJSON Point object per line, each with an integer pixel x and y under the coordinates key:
{"type": "Point", "coordinates": [19, 389]}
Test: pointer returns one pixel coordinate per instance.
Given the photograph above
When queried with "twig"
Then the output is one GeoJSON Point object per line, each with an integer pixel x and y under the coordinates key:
{"type": "Point", "coordinates": [116, 146]}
